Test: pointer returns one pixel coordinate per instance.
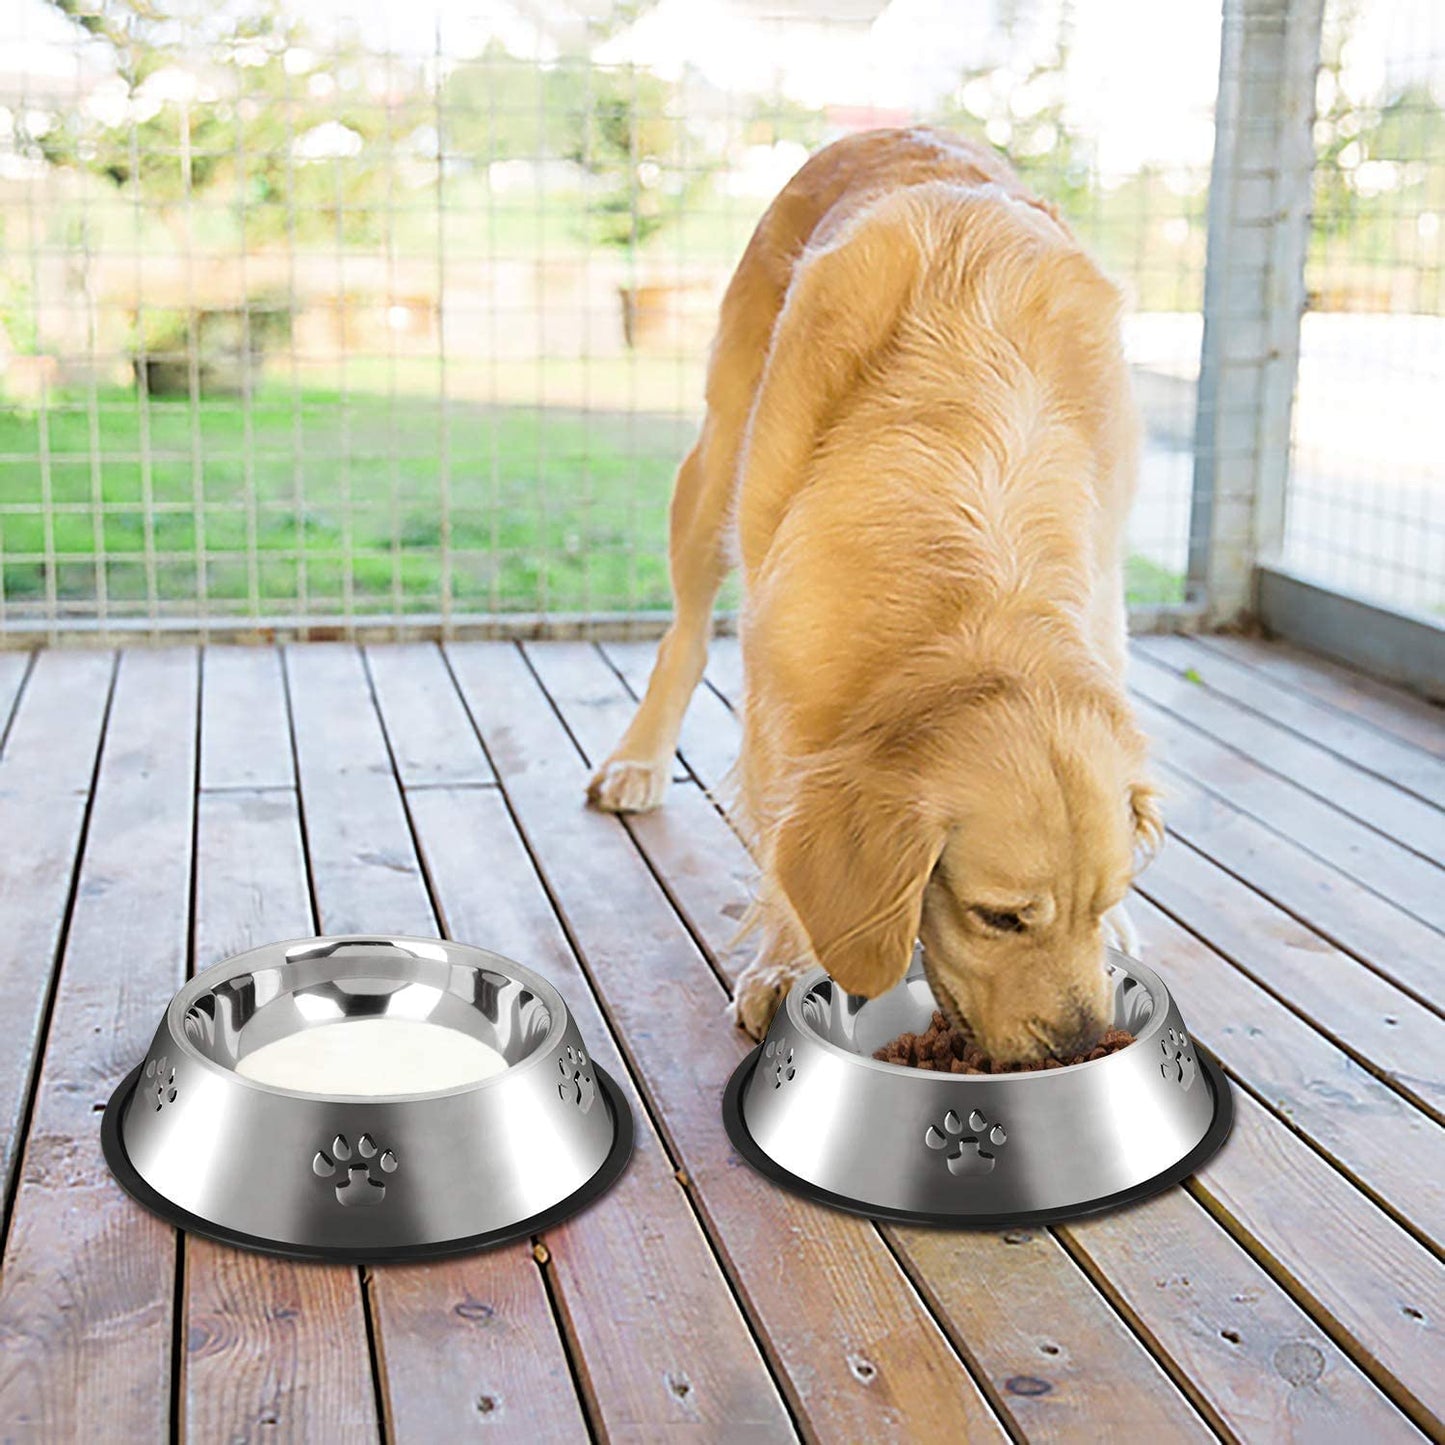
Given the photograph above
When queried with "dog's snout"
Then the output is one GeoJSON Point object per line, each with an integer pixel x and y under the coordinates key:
{"type": "Point", "coordinates": [1085, 1028]}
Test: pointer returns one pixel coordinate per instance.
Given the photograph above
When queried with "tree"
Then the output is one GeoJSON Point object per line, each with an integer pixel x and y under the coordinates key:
{"type": "Point", "coordinates": [220, 112]}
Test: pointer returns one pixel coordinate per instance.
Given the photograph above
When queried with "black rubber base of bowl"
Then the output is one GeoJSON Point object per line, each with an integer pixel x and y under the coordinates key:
{"type": "Point", "coordinates": [606, 1176]}
{"type": "Point", "coordinates": [769, 1168]}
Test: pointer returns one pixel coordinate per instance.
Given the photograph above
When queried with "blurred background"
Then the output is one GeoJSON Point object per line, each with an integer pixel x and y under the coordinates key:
{"type": "Point", "coordinates": [324, 312]}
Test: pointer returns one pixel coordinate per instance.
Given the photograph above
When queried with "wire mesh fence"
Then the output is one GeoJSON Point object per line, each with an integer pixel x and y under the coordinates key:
{"type": "Point", "coordinates": [324, 315]}
{"type": "Point", "coordinates": [1366, 499]}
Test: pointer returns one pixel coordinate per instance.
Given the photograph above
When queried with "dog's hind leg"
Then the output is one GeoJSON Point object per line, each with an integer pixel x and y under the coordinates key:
{"type": "Point", "coordinates": [634, 778]}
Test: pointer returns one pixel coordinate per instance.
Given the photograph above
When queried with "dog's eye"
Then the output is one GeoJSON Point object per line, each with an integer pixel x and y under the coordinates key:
{"type": "Point", "coordinates": [999, 922]}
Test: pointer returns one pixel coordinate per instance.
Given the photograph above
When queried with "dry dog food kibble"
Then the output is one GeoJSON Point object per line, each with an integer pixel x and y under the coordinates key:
{"type": "Point", "coordinates": [946, 1050]}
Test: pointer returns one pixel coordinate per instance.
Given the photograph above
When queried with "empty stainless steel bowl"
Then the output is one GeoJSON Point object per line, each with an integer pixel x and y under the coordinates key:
{"type": "Point", "coordinates": [469, 1110]}
{"type": "Point", "coordinates": [813, 1110]}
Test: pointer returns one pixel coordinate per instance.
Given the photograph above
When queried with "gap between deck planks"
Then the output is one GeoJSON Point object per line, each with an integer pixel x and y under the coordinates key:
{"type": "Point", "coordinates": [690, 844]}
{"type": "Point", "coordinates": [1399, 1315]}
{"type": "Point", "coordinates": [14, 669]}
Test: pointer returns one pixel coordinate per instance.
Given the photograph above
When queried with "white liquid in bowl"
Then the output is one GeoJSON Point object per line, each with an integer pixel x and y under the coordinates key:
{"type": "Point", "coordinates": [372, 1056]}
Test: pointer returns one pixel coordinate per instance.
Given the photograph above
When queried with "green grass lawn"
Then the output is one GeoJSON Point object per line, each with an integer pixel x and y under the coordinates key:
{"type": "Point", "coordinates": [325, 500]}
{"type": "Point", "coordinates": [343, 497]}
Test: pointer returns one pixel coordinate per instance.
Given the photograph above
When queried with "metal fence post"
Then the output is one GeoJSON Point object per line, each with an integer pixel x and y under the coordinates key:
{"type": "Point", "coordinates": [1259, 215]}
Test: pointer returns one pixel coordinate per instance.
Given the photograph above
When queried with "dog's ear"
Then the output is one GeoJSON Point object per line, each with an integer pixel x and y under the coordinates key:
{"type": "Point", "coordinates": [1148, 821]}
{"type": "Point", "coordinates": [843, 304]}
{"type": "Point", "coordinates": [853, 865]}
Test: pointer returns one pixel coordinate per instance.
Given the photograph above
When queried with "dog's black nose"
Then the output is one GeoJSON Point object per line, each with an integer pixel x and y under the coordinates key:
{"type": "Point", "coordinates": [1085, 1030]}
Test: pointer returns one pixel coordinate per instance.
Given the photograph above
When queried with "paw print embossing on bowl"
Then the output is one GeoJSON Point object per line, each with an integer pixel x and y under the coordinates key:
{"type": "Point", "coordinates": [362, 1173]}
{"type": "Point", "coordinates": [781, 1056]}
{"type": "Point", "coordinates": [160, 1082]}
{"type": "Point", "coordinates": [1178, 1066]}
{"type": "Point", "coordinates": [967, 1147]}
{"type": "Point", "coordinates": [577, 1086]}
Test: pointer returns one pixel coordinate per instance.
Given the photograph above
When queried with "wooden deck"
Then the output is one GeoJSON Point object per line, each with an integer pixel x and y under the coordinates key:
{"type": "Point", "coordinates": [160, 809]}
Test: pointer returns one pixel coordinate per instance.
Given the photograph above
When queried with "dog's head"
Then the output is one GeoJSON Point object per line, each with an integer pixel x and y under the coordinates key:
{"type": "Point", "coordinates": [997, 824]}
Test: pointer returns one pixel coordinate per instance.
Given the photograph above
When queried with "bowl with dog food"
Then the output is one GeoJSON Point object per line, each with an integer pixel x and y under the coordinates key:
{"type": "Point", "coordinates": [879, 1108]}
{"type": "Point", "coordinates": [355, 1098]}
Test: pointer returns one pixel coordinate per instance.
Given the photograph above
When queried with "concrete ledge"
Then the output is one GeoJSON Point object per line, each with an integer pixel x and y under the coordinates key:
{"type": "Point", "coordinates": [1395, 646]}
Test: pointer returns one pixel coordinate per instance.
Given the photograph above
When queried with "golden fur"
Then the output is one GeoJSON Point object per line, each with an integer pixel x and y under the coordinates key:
{"type": "Point", "coordinates": [920, 446]}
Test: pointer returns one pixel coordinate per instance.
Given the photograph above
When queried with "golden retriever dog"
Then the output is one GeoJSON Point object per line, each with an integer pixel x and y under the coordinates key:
{"type": "Point", "coordinates": [920, 447]}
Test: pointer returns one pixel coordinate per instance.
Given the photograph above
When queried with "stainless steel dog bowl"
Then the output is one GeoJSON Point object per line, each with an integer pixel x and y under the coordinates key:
{"type": "Point", "coordinates": [382, 1171]}
{"type": "Point", "coordinates": [813, 1110]}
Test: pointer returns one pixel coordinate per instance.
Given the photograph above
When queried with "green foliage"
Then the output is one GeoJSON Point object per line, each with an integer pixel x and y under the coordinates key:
{"type": "Point", "coordinates": [780, 119]}
{"type": "Point", "coordinates": [627, 140]}
{"type": "Point", "coordinates": [499, 108]}
{"type": "Point", "coordinates": [623, 129]}
{"type": "Point", "coordinates": [17, 313]}
{"type": "Point", "coordinates": [228, 131]}
{"type": "Point", "coordinates": [1379, 187]}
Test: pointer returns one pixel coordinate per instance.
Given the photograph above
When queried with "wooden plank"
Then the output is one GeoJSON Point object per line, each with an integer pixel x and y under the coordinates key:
{"type": "Point", "coordinates": [270, 1344]}
{"type": "Point", "coordinates": [363, 862]}
{"type": "Point", "coordinates": [661, 1341]}
{"type": "Point", "coordinates": [45, 777]}
{"type": "Point", "coordinates": [245, 735]}
{"type": "Point", "coordinates": [250, 872]}
{"type": "Point", "coordinates": [273, 1345]}
{"type": "Point", "coordinates": [1363, 795]}
{"type": "Point", "coordinates": [1380, 1024]}
{"type": "Point", "coordinates": [1270, 1371]}
{"type": "Point", "coordinates": [1406, 879]}
{"type": "Point", "coordinates": [1393, 943]}
{"type": "Point", "coordinates": [467, 1351]}
{"type": "Point", "coordinates": [88, 1288]}
{"type": "Point", "coordinates": [710, 879]}
{"type": "Point", "coordinates": [1401, 714]}
{"type": "Point", "coordinates": [977, 1284]}
{"type": "Point", "coordinates": [861, 1356]}
{"type": "Point", "coordinates": [596, 709]}
{"type": "Point", "coordinates": [707, 746]}
{"type": "Point", "coordinates": [1055, 1352]}
{"type": "Point", "coordinates": [431, 737]}
{"type": "Point", "coordinates": [457, 1332]}
{"type": "Point", "coordinates": [1378, 1291]}
{"type": "Point", "coordinates": [1364, 746]}
{"type": "Point", "coordinates": [1362, 1124]}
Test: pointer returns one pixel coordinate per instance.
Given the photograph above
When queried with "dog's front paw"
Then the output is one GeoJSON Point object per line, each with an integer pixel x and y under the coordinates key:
{"type": "Point", "coordinates": [1120, 932]}
{"type": "Point", "coordinates": [622, 785]}
{"type": "Point", "coordinates": [761, 990]}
